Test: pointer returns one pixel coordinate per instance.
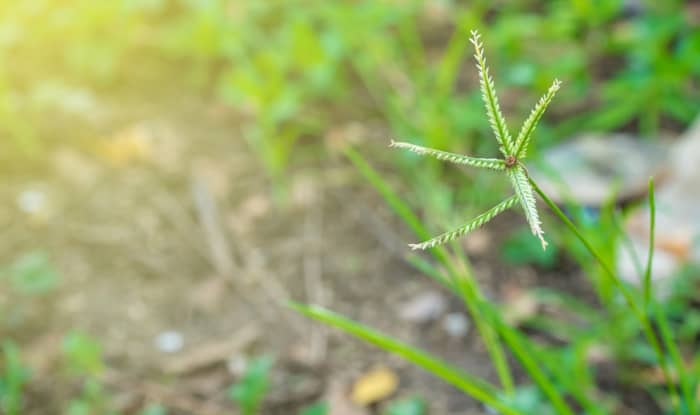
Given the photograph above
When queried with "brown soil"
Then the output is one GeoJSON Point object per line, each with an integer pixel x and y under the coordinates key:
{"type": "Point", "coordinates": [184, 235]}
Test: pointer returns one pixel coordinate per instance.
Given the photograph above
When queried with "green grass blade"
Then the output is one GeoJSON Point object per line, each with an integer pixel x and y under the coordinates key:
{"type": "Point", "coordinates": [650, 255]}
{"type": "Point", "coordinates": [431, 271]}
{"type": "Point", "coordinates": [615, 280]}
{"type": "Point", "coordinates": [526, 355]}
{"type": "Point", "coordinates": [394, 202]}
{"type": "Point", "coordinates": [473, 386]}
{"type": "Point", "coordinates": [473, 300]}
{"type": "Point", "coordinates": [660, 315]}
{"type": "Point", "coordinates": [494, 164]}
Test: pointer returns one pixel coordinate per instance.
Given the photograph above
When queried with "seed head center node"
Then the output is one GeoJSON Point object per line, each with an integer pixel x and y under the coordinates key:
{"type": "Point", "coordinates": [511, 161]}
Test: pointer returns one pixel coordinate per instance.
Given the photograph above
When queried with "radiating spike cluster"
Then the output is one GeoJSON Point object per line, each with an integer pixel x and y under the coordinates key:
{"type": "Point", "coordinates": [495, 164]}
{"type": "Point", "coordinates": [528, 128]}
{"type": "Point", "coordinates": [512, 152]}
{"type": "Point", "coordinates": [488, 94]}
{"type": "Point", "coordinates": [475, 223]}
{"type": "Point", "coordinates": [526, 195]}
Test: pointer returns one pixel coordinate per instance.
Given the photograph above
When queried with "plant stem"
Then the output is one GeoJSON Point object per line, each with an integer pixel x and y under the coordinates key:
{"type": "Point", "coordinates": [650, 255]}
{"type": "Point", "coordinates": [468, 289]}
{"type": "Point", "coordinates": [660, 314]}
{"type": "Point", "coordinates": [626, 292]}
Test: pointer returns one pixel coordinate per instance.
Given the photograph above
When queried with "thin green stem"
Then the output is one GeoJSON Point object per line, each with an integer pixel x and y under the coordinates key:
{"type": "Point", "coordinates": [650, 255]}
{"type": "Point", "coordinates": [626, 292]}
{"type": "Point", "coordinates": [474, 301]}
{"type": "Point", "coordinates": [660, 314]}
{"type": "Point", "coordinates": [475, 298]}
{"type": "Point", "coordinates": [473, 386]}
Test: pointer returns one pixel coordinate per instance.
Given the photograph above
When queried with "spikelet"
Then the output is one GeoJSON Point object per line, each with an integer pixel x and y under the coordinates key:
{"type": "Point", "coordinates": [526, 196]}
{"type": "Point", "coordinates": [473, 224]}
{"type": "Point", "coordinates": [495, 164]}
{"type": "Point", "coordinates": [528, 128]}
{"type": "Point", "coordinates": [488, 94]}
{"type": "Point", "coordinates": [512, 152]}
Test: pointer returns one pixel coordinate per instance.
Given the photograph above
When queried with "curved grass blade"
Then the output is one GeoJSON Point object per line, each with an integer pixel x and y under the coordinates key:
{"type": "Point", "coordinates": [473, 224]}
{"type": "Point", "coordinates": [523, 351]}
{"type": "Point", "coordinates": [396, 204]}
{"type": "Point", "coordinates": [661, 318]}
{"type": "Point", "coordinates": [494, 164]}
{"type": "Point", "coordinates": [475, 387]}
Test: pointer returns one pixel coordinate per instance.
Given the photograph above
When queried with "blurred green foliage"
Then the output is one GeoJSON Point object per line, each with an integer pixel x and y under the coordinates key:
{"type": "Point", "coordinates": [250, 391]}
{"type": "Point", "coordinates": [13, 377]}
{"type": "Point", "coordinates": [407, 406]}
{"type": "Point", "coordinates": [297, 69]}
{"type": "Point", "coordinates": [519, 250]}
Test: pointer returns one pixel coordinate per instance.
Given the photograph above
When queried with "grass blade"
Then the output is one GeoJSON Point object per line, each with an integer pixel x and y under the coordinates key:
{"type": "Point", "coordinates": [394, 202]}
{"type": "Point", "coordinates": [520, 348]}
{"type": "Point", "coordinates": [650, 255]}
{"type": "Point", "coordinates": [660, 315]}
{"type": "Point", "coordinates": [475, 387]}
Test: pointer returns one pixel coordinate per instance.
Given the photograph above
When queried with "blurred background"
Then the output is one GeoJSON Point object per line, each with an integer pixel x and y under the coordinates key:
{"type": "Point", "coordinates": [172, 172]}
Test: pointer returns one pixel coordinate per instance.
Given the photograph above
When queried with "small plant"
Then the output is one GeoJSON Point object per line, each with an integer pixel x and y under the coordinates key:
{"type": "Point", "coordinates": [632, 321]}
{"type": "Point", "coordinates": [408, 406]}
{"type": "Point", "coordinates": [251, 390]}
{"type": "Point", "coordinates": [83, 361]}
{"type": "Point", "coordinates": [513, 152]}
{"type": "Point", "coordinates": [13, 377]}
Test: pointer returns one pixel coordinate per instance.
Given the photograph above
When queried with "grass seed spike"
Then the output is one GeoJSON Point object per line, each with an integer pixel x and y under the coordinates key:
{"type": "Point", "coordinates": [513, 152]}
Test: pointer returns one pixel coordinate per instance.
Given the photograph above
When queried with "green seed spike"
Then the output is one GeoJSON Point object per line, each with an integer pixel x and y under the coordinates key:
{"type": "Point", "coordinates": [488, 94]}
{"type": "Point", "coordinates": [512, 151]}
{"type": "Point", "coordinates": [526, 196]}
{"type": "Point", "coordinates": [528, 128]}
{"type": "Point", "coordinates": [495, 164]}
{"type": "Point", "coordinates": [464, 229]}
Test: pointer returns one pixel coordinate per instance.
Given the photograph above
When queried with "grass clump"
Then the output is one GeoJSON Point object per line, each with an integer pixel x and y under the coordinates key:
{"type": "Point", "coordinates": [633, 323]}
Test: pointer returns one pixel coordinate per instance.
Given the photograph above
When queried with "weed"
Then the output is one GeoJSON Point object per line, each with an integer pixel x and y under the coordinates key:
{"type": "Point", "coordinates": [561, 374]}
{"type": "Point", "coordinates": [13, 378]}
{"type": "Point", "coordinates": [250, 391]}
{"type": "Point", "coordinates": [408, 406]}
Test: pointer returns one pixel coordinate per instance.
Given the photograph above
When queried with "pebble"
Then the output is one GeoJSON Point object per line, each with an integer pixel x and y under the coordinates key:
{"type": "Point", "coordinates": [424, 307]}
{"type": "Point", "coordinates": [170, 341]}
{"type": "Point", "coordinates": [456, 325]}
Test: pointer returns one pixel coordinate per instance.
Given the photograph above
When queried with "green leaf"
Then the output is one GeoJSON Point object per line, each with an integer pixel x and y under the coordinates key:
{"type": "Point", "coordinates": [154, 409]}
{"type": "Point", "coordinates": [33, 274]}
{"type": "Point", "coordinates": [318, 408]}
{"type": "Point", "coordinates": [83, 354]}
{"type": "Point", "coordinates": [475, 387]}
{"type": "Point", "coordinates": [519, 250]}
{"type": "Point", "coordinates": [250, 391]}
{"type": "Point", "coordinates": [409, 406]}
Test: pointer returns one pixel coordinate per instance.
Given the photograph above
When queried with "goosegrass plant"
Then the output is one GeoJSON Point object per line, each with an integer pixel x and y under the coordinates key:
{"type": "Point", "coordinates": [563, 379]}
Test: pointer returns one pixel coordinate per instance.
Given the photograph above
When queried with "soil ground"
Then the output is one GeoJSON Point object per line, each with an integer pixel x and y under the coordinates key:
{"type": "Point", "coordinates": [181, 233]}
